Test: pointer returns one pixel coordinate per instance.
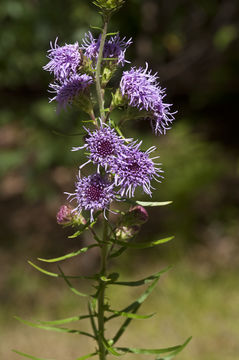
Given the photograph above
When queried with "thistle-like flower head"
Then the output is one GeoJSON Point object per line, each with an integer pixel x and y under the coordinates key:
{"type": "Point", "coordinates": [69, 89]}
{"type": "Point", "coordinates": [143, 91]}
{"type": "Point", "coordinates": [93, 193]}
{"type": "Point", "coordinates": [133, 168]}
{"type": "Point", "coordinates": [64, 60]}
{"type": "Point", "coordinates": [103, 145]}
{"type": "Point", "coordinates": [113, 48]}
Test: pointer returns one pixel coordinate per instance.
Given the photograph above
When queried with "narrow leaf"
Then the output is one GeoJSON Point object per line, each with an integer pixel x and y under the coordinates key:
{"type": "Point", "coordinates": [53, 328]}
{"type": "Point", "coordinates": [134, 308]}
{"type": "Point", "coordinates": [70, 255]}
{"type": "Point", "coordinates": [129, 315]}
{"type": "Point", "coordinates": [153, 203]}
{"type": "Point", "coordinates": [175, 352]}
{"type": "Point", "coordinates": [70, 285]}
{"type": "Point", "coordinates": [144, 245]}
{"type": "Point", "coordinates": [112, 33]}
{"type": "Point", "coordinates": [153, 351]}
{"type": "Point", "coordinates": [118, 252]}
{"type": "Point", "coordinates": [64, 321]}
{"type": "Point", "coordinates": [110, 348]}
{"type": "Point", "coordinates": [142, 281]}
{"type": "Point", "coordinates": [86, 226]}
{"type": "Point", "coordinates": [58, 275]}
{"type": "Point", "coordinates": [28, 356]}
{"type": "Point", "coordinates": [92, 321]}
{"type": "Point", "coordinates": [87, 356]}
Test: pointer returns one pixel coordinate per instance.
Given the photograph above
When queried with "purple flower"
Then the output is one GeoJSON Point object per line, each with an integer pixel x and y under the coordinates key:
{"type": "Point", "coordinates": [92, 193]}
{"type": "Point", "coordinates": [143, 91]}
{"type": "Point", "coordinates": [113, 48]}
{"type": "Point", "coordinates": [69, 89]}
{"type": "Point", "coordinates": [133, 168]}
{"type": "Point", "coordinates": [64, 60]}
{"type": "Point", "coordinates": [103, 145]}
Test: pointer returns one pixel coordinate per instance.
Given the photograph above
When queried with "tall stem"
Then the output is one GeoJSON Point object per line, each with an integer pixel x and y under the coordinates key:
{"type": "Point", "coordinates": [98, 71]}
{"type": "Point", "coordinates": [101, 295]}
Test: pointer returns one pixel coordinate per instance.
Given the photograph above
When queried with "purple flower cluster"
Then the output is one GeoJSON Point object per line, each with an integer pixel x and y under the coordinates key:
{"type": "Point", "coordinates": [127, 166]}
{"type": "Point", "coordinates": [64, 64]}
{"type": "Point", "coordinates": [114, 48]}
{"type": "Point", "coordinates": [143, 91]}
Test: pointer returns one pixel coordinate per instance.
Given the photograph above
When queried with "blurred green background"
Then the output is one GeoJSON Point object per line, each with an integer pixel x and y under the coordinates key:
{"type": "Point", "coordinates": [195, 49]}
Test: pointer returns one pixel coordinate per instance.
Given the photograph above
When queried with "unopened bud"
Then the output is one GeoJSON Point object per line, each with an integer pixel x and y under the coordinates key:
{"type": "Point", "coordinates": [137, 215]}
{"type": "Point", "coordinates": [126, 232]}
{"type": "Point", "coordinates": [66, 216]}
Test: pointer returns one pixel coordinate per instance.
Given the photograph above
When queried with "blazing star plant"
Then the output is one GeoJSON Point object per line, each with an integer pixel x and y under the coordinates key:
{"type": "Point", "coordinates": [81, 73]}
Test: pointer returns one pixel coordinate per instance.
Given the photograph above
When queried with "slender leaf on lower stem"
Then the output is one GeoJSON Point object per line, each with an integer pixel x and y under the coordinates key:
{"type": "Point", "coordinates": [70, 255]}
{"type": "Point", "coordinates": [28, 356]}
{"type": "Point", "coordinates": [171, 350]}
{"type": "Point", "coordinates": [92, 321]}
{"type": "Point", "coordinates": [142, 281]}
{"type": "Point", "coordinates": [175, 352]}
{"type": "Point", "coordinates": [53, 328]}
{"type": "Point", "coordinates": [129, 315]}
{"type": "Point", "coordinates": [144, 245]}
{"type": "Point", "coordinates": [64, 321]}
{"type": "Point", "coordinates": [58, 275]}
{"type": "Point", "coordinates": [153, 203]}
{"type": "Point", "coordinates": [133, 308]}
{"type": "Point", "coordinates": [75, 291]}
{"type": "Point", "coordinates": [87, 356]}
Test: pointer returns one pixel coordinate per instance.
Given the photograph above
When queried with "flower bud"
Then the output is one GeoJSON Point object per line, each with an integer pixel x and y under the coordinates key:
{"type": "Point", "coordinates": [137, 215]}
{"type": "Point", "coordinates": [66, 216]}
{"type": "Point", "coordinates": [126, 232]}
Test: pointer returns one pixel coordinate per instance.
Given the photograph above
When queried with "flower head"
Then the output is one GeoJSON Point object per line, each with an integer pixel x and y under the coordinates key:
{"type": "Point", "coordinates": [113, 48]}
{"type": "Point", "coordinates": [64, 60]}
{"type": "Point", "coordinates": [93, 193]}
{"type": "Point", "coordinates": [133, 168]}
{"type": "Point", "coordinates": [69, 89]}
{"type": "Point", "coordinates": [103, 145]}
{"type": "Point", "coordinates": [143, 91]}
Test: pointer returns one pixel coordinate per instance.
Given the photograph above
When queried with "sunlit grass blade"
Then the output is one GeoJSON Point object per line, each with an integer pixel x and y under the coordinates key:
{"type": "Point", "coordinates": [171, 350]}
{"type": "Point", "coordinates": [87, 356]}
{"type": "Point", "coordinates": [70, 255]}
{"type": "Point", "coordinates": [129, 315]}
{"type": "Point", "coordinates": [134, 308]}
{"type": "Point", "coordinates": [153, 203]}
{"type": "Point", "coordinates": [28, 356]}
{"type": "Point", "coordinates": [64, 321]}
{"type": "Point", "coordinates": [142, 281]}
{"type": "Point", "coordinates": [53, 328]}
{"type": "Point", "coordinates": [144, 245]}
{"type": "Point", "coordinates": [175, 352]}
{"type": "Point", "coordinates": [74, 290]}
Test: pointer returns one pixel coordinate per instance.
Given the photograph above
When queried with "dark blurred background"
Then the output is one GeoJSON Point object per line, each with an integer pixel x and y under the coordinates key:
{"type": "Point", "coordinates": [194, 46]}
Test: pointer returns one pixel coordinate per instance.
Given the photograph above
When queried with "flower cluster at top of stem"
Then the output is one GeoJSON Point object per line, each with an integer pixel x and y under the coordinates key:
{"type": "Point", "coordinates": [121, 166]}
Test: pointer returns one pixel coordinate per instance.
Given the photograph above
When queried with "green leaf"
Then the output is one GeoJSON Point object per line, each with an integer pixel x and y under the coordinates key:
{"type": "Point", "coordinates": [28, 356]}
{"type": "Point", "coordinates": [118, 252]}
{"type": "Point", "coordinates": [129, 315]}
{"type": "Point", "coordinates": [53, 328]}
{"type": "Point", "coordinates": [64, 321]}
{"type": "Point", "coordinates": [175, 352]}
{"type": "Point", "coordinates": [153, 203]}
{"type": "Point", "coordinates": [134, 308]}
{"type": "Point", "coordinates": [86, 226]}
{"type": "Point", "coordinates": [144, 245]}
{"type": "Point", "coordinates": [70, 285]}
{"type": "Point", "coordinates": [110, 348]}
{"type": "Point", "coordinates": [87, 356]}
{"type": "Point", "coordinates": [153, 351]}
{"type": "Point", "coordinates": [70, 255]}
{"type": "Point", "coordinates": [112, 33]}
{"type": "Point", "coordinates": [142, 281]}
{"type": "Point", "coordinates": [93, 325]}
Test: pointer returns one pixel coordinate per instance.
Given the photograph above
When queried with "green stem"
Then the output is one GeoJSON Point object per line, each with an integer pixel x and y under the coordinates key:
{"type": "Point", "coordinates": [101, 294]}
{"type": "Point", "coordinates": [98, 71]}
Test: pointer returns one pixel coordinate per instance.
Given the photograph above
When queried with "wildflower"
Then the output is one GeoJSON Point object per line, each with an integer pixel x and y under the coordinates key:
{"type": "Point", "coordinates": [64, 60]}
{"type": "Point", "coordinates": [134, 168]}
{"type": "Point", "coordinates": [69, 89]}
{"type": "Point", "coordinates": [103, 145]}
{"type": "Point", "coordinates": [113, 48]}
{"type": "Point", "coordinates": [92, 193]}
{"type": "Point", "coordinates": [143, 91]}
{"type": "Point", "coordinates": [64, 215]}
